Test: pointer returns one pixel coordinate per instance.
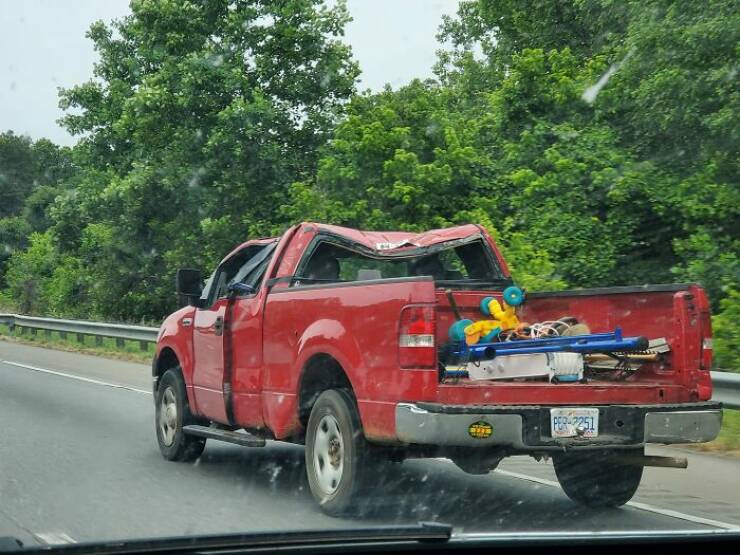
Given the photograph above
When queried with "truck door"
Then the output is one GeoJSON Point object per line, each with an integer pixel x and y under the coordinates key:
{"type": "Point", "coordinates": [244, 343]}
{"type": "Point", "coordinates": [211, 331]}
{"type": "Point", "coordinates": [208, 351]}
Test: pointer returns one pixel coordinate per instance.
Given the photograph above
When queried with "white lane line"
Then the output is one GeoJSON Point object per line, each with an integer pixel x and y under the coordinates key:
{"type": "Point", "coordinates": [54, 538]}
{"type": "Point", "coordinates": [684, 516]}
{"type": "Point", "coordinates": [527, 477]}
{"type": "Point", "coordinates": [73, 377]}
{"type": "Point", "coordinates": [634, 504]}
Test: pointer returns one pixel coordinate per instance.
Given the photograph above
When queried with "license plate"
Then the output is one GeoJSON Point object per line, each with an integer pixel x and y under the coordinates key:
{"type": "Point", "coordinates": [574, 422]}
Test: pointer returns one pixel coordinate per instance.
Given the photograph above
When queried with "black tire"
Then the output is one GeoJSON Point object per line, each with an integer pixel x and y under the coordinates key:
{"type": "Point", "coordinates": [594, 479]}
{"type": "Point", "coordinates": [173, 443]}
{"type": "Point", "coordinates": [335, 417]}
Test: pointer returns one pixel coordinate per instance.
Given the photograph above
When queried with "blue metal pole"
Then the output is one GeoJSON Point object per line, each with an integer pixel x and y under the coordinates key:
{"type": "Point", "coordinates": [592, 343]}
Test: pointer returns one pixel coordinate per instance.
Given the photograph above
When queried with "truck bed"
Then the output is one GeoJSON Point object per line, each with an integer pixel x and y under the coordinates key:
{"type": "Point", "coordinates": [678, 313]}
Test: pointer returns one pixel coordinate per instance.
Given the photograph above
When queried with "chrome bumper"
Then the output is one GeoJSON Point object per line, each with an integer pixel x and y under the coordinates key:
{"type": "Point", "coordinates": [682, 426]}
{"type": "Point", "coordinates": [417, 425]}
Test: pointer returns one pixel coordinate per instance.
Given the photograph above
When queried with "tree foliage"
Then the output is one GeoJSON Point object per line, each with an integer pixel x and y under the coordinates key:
{"type": "Point", "coordinates": [200, 117]}
{"type": "Point", "coordinates": [32, 175]}
{"type": "Point", "coordinates": [597, 140]}
{"type": "Point", "coordinates": [726, 328]}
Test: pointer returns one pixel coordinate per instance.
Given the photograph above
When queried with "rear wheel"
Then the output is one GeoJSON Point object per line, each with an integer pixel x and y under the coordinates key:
{"type": "Point", "coordinates": [336, 452]}
{"type": "Point", "coordinates": [595, 479]}
{"type": "Point", "coordinates": [172, 412]}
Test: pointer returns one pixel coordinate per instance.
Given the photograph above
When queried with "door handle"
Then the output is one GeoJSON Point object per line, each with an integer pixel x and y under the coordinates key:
{"type": "Point", "coordinates": [218, 326]}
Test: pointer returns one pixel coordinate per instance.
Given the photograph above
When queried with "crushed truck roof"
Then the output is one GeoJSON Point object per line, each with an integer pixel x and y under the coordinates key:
{"type": "Point", "coordinates": [389, 240]}
{"type": "Point", "coordinates": [382, 241]}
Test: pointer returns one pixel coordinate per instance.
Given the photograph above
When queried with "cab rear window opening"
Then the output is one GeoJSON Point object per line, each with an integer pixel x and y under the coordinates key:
{"type": "Point", "coordinates": [468, 264]}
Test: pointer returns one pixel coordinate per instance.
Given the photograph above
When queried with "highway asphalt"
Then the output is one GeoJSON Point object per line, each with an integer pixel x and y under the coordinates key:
{"type": "Point", "coordinates": [79, 462]}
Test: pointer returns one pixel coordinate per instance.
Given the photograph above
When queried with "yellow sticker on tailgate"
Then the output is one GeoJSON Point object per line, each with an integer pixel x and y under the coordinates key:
{"type": "Point", "coordinates": [480, 430]}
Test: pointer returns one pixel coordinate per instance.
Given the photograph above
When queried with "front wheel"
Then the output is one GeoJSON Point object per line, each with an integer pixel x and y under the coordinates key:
{"type": "Point", "coordinates": [595, 479]}
{"type": "Point", "coordinates": [172, 412]}
{"type": "Point", "coordinates": [336, 452]}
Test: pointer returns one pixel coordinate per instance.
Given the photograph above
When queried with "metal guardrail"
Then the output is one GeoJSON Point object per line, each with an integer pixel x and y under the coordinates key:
{"type": "Point", "coordinates": [726, 384]}
{"type": "Point", "coordinates": [121, 332]}
{"type": "Point", "coordinates": [726, 388]}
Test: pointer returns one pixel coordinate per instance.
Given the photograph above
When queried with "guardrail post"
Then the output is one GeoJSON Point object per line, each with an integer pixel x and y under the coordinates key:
{"type": "Point", "coordinates": [80, 337]}
{"type": "Point", "coordinates": [47, 334]}
{"type": "Point", "coordinates": [143, 345]}
{"type": "Point", "coordinates": [33, 331]}
{"type": "Point", "coordinates": [99, 340]}
{"type": "Point", "coordinates": [120, 343]}
{"type": "Point", "coordinates": [63, 334]}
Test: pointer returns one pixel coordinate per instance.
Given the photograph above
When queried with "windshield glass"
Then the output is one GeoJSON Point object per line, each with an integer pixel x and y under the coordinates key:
{"type": "Point", "coordinates": [289, 265]}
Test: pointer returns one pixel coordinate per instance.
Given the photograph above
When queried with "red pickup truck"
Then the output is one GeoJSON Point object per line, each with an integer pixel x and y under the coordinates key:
{"type": "Point", "coordinates": [338, 339]}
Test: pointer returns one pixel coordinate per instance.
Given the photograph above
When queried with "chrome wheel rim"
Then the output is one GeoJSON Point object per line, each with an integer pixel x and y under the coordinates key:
{"type": "Point", "coordinates": [168, 416]}
{"type": "Point", "coordinates": [328, 455]}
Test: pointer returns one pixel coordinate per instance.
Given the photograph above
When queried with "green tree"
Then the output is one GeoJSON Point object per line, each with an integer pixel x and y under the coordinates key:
{"type": "Point", "coordinates": [31, 176]}
{"type": "Point", "coordinates": [199, 118]}
{"type": "Point", "coordinates": [666, 93]}
{"type": "Point", "coordinates": [54, 171]}
{"type": "Point", "coordinates": [405, 160]}
{"type": "Point", "coordinates": [398, 160]}
{"type": "Point", "coordinates": [675, 102]}
{"type": "Point", "coordinates": [17, 172]}
{"type": "Point", "coordinates": [28, 274]}
{"type": "Point", "coordinates": [726, 327]}
{"type": "Point", "coordinates": [14, 233]}
{"type": "Point", "coordinates": [531, 159]}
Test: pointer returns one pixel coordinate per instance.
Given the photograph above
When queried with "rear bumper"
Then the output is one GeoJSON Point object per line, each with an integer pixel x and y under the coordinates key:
{"type": "Point", "coordinates": [527, 428]}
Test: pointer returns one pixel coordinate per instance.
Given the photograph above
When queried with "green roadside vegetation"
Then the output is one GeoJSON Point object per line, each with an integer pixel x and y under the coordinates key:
{"type": "Point", "coordinates": [728, 440]}
{"type": "Point", "coordinates": [130, 350]}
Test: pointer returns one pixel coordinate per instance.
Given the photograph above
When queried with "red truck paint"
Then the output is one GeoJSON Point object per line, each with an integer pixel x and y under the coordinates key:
{"type": "Point", "coordinates": [270, 337]}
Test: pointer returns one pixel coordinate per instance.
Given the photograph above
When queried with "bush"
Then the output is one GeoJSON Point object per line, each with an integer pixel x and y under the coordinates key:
{"type": "Point", "coordinates": [726, 327]}
{"type": "Point", "coordinates": [28, 273]}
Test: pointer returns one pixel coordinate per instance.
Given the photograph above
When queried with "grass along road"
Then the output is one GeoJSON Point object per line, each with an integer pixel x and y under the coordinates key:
{"type": "Point", "coordinates": [99, 346]}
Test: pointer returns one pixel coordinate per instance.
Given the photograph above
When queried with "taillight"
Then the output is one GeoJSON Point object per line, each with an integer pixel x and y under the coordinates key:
{"type": "Point", "coordinates": [706, 353]}
{"type": "Point", "coordinates": [706, 342]}
{"type": "Point", "coordinates": [704, 381]}
{"type": "Point", "coordinates": [416, 344]}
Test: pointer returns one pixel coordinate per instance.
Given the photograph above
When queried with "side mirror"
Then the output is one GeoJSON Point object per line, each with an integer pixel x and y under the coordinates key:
{"type": "Point", "coordinates": [189, 285]}
{"type": "Point", "coordinates": [236, 289]}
